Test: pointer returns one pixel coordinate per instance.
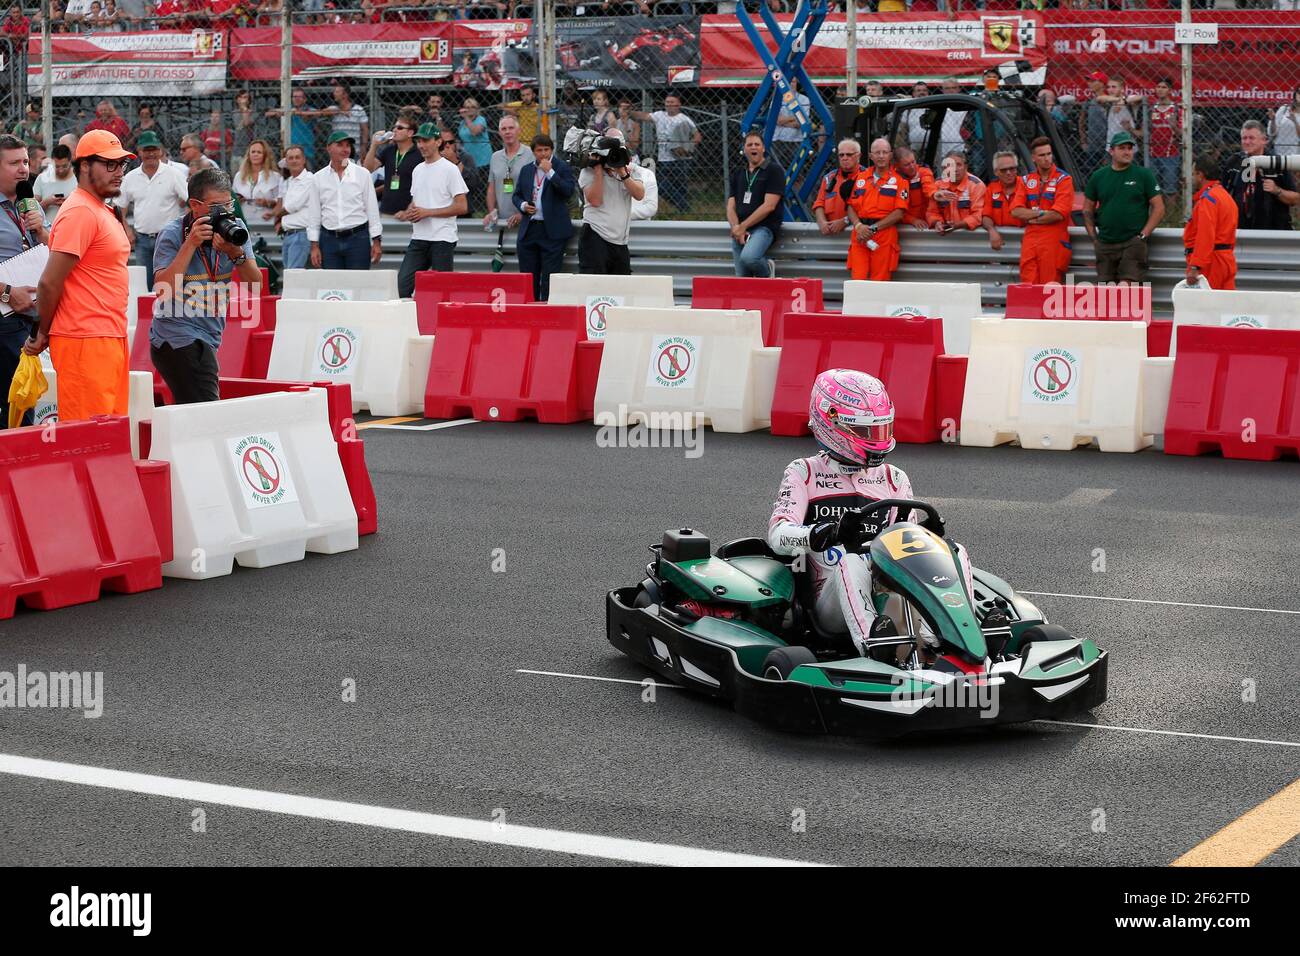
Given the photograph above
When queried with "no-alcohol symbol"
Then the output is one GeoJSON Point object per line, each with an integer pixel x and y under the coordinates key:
{"type": "Point", "coordinates": [261, 470]}
{"type": "Point", "coordinates": [337, 351]}
{"type": "Point", "coordinates": [674, 362]}
{"type": "Point", "coordinates": [1053, 374]}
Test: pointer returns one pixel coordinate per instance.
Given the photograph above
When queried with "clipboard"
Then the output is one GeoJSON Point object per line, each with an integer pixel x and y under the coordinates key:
{"type": "Point", "coordinates": [23, 269]}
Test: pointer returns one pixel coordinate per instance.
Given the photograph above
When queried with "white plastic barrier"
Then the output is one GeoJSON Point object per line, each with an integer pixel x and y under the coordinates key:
{"type": "Point", "coordinates": [376, 347]}
{"type": "Point", "coordinates": [1055, 384]}
{"type": "Point", "coordinates": [1157, 381]}
{"type": "Point", "coordinates": [957, 303]}
{"type": "Point", "coordinates": [597, 294]}
{"type": "Point", "coordinates": [137, 286]}
{"type": "Point", "coordinates": [1261, 310]}
{"type": "Point", "coordinates": [139, 403]}
{"type": "Point", "coordinates": [255, 480]}
{"type": "Point", "coordinates": [339, 285]}
{"type": "Point", "coordinates": [658, 364]}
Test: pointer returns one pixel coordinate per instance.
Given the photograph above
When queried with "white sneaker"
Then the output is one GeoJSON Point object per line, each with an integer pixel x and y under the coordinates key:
{"type": "Point", "coordinates": [771, 268]}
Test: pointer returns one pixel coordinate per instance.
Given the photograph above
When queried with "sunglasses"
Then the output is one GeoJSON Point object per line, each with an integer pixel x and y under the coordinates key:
{"type": "Point", "coordinates": [850, 154]}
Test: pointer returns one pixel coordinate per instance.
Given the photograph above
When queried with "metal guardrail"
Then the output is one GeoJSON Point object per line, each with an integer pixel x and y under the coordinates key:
{"type": "Point", "coordinates": [1267, 260]}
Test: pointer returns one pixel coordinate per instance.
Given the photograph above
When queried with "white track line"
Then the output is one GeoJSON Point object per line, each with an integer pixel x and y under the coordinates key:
{"type": "Point", "coordinates": [1216, 607]}
{"type": "Point", "coordinates": [409, 821]}
{"type": "Point", "coordinates": [612, 680]}
{"type": "Point", "coordinates": [427, 428]}
{"type": "Point", "coordinates": [1063, 723]}
{"type": "Point", "coordinates": [1173, 733]}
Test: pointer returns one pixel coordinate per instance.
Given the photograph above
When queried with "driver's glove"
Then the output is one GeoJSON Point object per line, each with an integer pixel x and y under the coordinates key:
{"type": "Point", "coordinates": [851, 530]}
{"type": "Point", "coordinates": [822, 535]}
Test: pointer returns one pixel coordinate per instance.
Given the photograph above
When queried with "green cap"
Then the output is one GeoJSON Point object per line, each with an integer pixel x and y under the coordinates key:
{"type": "Point", "coordinates": [1123, 137]}
{"type": "Point", "coordinates": [427, 131]}
{"type": "Point", "coordinates": [148, 139]}
{"type": "Point", "coordinates": [339, 135]}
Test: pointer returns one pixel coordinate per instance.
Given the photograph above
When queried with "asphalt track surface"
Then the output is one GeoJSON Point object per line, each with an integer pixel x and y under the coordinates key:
{"type": "Point", "coordinates": [238, 680]}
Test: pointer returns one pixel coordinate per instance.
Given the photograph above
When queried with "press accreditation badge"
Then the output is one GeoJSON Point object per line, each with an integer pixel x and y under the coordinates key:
{"type": "Point", "coordinates": [748, 197]}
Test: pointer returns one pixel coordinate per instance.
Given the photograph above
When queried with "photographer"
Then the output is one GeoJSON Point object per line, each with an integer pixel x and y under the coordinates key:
{"type": "Point", "coordinates": [194, 260]}
{"type": "Point", "coordinates": [610, 184]}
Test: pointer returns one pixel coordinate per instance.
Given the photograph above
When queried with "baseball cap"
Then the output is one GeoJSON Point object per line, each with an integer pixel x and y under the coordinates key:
{"type": "Point", "coordinates": [339, 135]}
{"type": "Point", "coordinates": [147, 140]}
{"type": "Point", "coordinates": [1122, 138]}
{"type": "Point", "coordinates": [101, 143]}
{"type": "Point", "coordinates": [427, 131]}
{"type": "Point", "coordinates": [1099, 76]}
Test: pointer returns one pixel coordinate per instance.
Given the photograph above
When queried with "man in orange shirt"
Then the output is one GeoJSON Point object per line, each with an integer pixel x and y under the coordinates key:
{"type": "Point", "coordinates": [1211, 233]}
{"type": "Point", "coordinates": [958, 200]}
{"type": "Point", "coordinates": [82, 295]}
{"type": "Point", "coordinates": [998, 196]}
{"type": "Point", "coordinates": [876, 206]}
{"type": "Point", "coordinates": [1044, 202]}
{"type": "Point", "coordinates": [832, 206]}
{"type": "Point", "coordinates": [920, 186]}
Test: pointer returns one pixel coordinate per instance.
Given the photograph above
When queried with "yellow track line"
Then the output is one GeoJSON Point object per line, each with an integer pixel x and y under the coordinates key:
{"type": "Point", "coordinates": [1251, 837]}
{"type": "Point", "coordinates": [389, 421]}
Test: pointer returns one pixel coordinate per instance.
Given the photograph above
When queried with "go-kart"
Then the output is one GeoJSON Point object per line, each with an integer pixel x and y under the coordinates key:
{"type": "Point", "coordinates": [739, 626]}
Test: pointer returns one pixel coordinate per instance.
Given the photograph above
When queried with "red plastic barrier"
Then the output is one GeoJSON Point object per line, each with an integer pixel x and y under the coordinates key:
{"type": "Point", "coordinates": [1235, 389]}
{"type": "Point", "coordinates": [1085, 300]}
{"type": "Point", "coordinates": [498, 364]}
{"type": "Point", "coordinates": [589, 356]}
{"type": "Point", "coordinates": [156, 484]}
{"type": "Point", "coordinates": [259, 354]}
{"type": "Point", "coordinates": [950, 374]}
{"type": "Point", "coordinates": [352, 450]}
{"type": "Point", "coordinates": [1159, 334]}
{"type": "Point", "coordinates": [772, 297]}
{"type": "Point", "coordinates": [74, 519]}
{"type": "Point", "coordinates": [901, 352]}
{"type": "Point", "coordinates": [434, 288]}
{"type": "Point", "coordinates": [246, 316]}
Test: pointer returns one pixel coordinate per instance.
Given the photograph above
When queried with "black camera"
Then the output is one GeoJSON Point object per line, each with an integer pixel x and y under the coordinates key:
{"type": "Point", "coordinates": [610, 151]}
{"type": "Point", "coordinates": [226, 225]}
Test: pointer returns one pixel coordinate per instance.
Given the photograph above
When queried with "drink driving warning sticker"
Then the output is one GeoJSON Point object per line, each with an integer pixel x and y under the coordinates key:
{"type": "Point", "coordinates": [674, 361]}
{"type": "Point", "coordinates": [334, 295]}
{"type": "Point", "coordinates": [261, 470]}
{"type": "Point", "coordinates": [1051, 376]}
{"type": "Point", "coordinates": [596, 306]}
{"type": "Point", "coordinates": [337, 351]}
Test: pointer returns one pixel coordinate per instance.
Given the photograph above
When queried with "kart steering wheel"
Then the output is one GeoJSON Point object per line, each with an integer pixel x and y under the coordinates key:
{"type": "Point", "coordinates": [932, 521]}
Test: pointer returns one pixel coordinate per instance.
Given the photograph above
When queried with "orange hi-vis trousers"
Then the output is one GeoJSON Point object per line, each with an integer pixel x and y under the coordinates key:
{"type": "Point", "coordinates": [94, 376]}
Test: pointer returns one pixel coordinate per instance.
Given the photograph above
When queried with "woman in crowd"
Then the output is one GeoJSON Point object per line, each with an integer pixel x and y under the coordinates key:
{"type": "Point", "coordinates": [259, 182]}
{"type": "Point", "coordinates": [1284, 126]}
{"type": "Point", "coordinates": [243, 123]}
{"type": "Point", "coordinates": [602, 117]}
{"type": "Point", "coordinates": [473, 133]}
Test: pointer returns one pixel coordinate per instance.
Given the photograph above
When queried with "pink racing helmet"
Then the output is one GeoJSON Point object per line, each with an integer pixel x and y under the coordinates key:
{"type": "Point", "coordinates": [852, 417]}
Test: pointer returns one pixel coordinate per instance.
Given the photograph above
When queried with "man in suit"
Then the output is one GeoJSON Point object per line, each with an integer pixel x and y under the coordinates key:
{"type": "Point", "coordinates": [542, 196]}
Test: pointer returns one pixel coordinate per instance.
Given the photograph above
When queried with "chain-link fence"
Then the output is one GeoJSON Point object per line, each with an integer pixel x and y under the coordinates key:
{"type": "Point", "coordinates": [1105, 70]}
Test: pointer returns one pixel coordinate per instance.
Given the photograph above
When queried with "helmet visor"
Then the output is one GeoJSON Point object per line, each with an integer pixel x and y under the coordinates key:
{"type": "Point", "coordinates": [876, 434]}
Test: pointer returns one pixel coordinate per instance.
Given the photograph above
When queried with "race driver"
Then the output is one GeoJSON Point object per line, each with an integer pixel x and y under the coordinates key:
{"type": "Point", "coordinates": [852, 419]}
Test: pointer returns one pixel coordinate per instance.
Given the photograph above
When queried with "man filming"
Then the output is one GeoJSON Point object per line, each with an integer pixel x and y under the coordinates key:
{"type": "Point", "coordinates": [194, 260]}
{"type": "Point", "coordinates": [610, 184]}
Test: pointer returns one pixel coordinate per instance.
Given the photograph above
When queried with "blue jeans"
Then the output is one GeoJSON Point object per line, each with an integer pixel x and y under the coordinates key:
{"type": "Point", "coordinates": [350, 252]}
{"type": "Point", "coordinates": [1167, 169]}
{"type": "Point", "coordinates": [144, 254]}
{"type": "Point", "coordinates": [674, 182]}
{"type": "Point", "coordinates": [296, 250]}
{"type": "Point", "coordinates": [751, 258]}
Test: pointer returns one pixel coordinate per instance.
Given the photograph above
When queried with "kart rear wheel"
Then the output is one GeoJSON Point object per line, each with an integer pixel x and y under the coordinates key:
{"type": "Point", "coordinates": [781, 661]}
{"type": "Point", "coordinates": [1042, 632]}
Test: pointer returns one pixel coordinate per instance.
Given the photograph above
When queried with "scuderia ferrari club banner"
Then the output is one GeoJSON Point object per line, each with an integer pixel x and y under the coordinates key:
{"type": "Point", "coordinates": [892, 47]}
{"type": "Point", "coordinates": [415, 51]}
{"type": "Point", "coordinates": [629, 52]}
{"type": "Point", "coordinates": [132, 64]}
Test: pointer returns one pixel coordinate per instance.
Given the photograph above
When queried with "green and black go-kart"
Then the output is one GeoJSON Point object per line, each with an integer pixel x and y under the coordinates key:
{"type": "Point", "coordinates": [737, 625]}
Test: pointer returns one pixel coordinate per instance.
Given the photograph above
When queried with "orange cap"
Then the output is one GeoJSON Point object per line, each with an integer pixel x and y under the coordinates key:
{"type": "Point", "coordinates": [101, 143]}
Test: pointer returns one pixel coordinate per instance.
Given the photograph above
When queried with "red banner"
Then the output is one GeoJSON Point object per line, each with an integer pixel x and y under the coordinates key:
{"type": "Point", "coordinates": [159, 63]}
{"type": "Point", "coordinates": [1256, 61]}
{"type": "Point", "coordinates": [416, 51]}
{"type": "Point", "coordinates": [894, 48]}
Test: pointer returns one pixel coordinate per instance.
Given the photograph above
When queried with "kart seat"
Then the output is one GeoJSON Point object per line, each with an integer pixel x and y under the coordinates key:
{"type": "Point", "coordinates": [750, 547]}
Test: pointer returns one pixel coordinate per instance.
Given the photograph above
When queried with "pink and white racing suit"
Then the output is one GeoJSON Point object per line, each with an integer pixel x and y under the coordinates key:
{"type": "Point", "coordinates": [820, 489]}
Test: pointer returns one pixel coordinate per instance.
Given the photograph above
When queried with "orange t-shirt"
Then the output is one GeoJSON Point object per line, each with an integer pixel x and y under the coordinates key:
{"type": "Point", "coordinates": [95, 293]}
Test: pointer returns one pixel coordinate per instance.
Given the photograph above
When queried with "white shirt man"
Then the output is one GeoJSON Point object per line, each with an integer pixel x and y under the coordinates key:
{"type": "Point", "coordinates": [438, 196]}
{"type": "Point", "coordinates": [349, 210]}
{"type": "Point", "coordinates": [158, 193]}
{"type": "Point", "coordinates": [301, 207]}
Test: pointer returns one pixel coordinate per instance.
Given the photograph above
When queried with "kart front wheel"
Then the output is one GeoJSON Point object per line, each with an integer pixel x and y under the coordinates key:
{"type": "Point", "coordinates": [1043, 632]}
{"type": "Point", "coordinates": [781, 661]}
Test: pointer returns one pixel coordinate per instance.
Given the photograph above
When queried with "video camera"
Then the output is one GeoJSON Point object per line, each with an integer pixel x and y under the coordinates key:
{"type": "Point", "coordinates": [587, 147]}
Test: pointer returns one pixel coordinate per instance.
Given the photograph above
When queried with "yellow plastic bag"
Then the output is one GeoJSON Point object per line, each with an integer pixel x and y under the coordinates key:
{"type": "Point", "coordinates": [28, 386]}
